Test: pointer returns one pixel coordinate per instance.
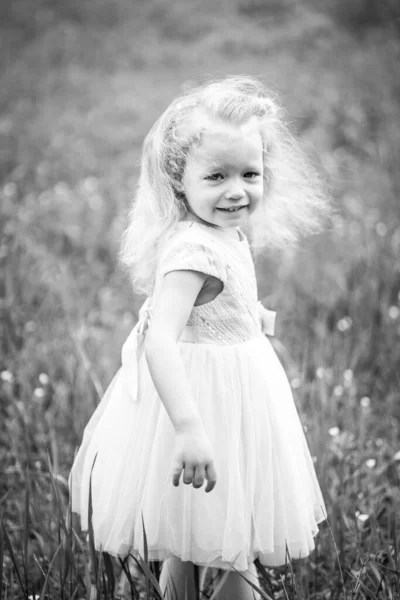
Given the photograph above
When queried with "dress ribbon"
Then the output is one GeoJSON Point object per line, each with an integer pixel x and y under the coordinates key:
{"type": "Point", "coordinates": [132, 351]}
{"type": "Point", "coordinates": [267, 319]}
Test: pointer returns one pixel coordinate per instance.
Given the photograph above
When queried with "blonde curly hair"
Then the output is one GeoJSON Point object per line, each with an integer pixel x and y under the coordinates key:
{"type": "Point", "coordinates": [294, 203]}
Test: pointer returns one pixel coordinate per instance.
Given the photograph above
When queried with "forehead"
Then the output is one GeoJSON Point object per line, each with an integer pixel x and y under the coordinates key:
{"type": "Point", "coordinates": [225, 143]}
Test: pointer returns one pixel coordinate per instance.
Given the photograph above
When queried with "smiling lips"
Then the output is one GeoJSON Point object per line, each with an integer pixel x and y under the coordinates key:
{"type": "Point", "coordinates": [233, 208]}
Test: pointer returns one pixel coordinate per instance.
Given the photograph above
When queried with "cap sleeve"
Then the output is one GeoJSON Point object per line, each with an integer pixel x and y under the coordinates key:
{"type": "Point", "coordinates": [193, 256]}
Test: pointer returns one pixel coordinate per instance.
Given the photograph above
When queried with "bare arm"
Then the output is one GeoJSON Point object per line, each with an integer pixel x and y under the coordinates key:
{"type": "Point", "coordinates": [193, 452]}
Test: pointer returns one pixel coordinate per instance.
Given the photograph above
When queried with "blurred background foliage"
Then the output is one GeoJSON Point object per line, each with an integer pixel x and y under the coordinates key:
{"type": "Point", "coordinates": [80, 85]}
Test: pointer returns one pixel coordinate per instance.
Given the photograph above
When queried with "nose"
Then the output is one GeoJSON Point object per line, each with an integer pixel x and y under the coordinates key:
{"type": "Point", "coordinates": [235, 191]}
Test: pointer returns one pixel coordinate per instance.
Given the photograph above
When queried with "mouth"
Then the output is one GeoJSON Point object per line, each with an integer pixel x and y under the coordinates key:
{"type": "Point", "coordinates": [233, 208]}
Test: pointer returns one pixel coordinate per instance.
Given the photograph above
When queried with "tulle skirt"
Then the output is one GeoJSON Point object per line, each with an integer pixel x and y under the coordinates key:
{"type": "Point", "coordinates": [266, 498]}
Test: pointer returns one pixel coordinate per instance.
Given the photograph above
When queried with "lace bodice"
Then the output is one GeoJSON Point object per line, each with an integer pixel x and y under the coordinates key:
{"type": "Point", "coordinates": [234, 315]}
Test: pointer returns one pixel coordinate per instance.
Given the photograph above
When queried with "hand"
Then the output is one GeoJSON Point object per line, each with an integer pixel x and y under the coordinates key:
{"type": "Point", "coordinates": [193, 456]}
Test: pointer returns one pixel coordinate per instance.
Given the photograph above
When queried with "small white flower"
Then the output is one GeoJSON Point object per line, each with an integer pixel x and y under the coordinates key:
{"type": "Point", "coordinates": [381, 229]}
{"type": "Point", "coordinates": [30, 326]}
{"type": "Point", "coordinates": [314, 459]}
{"type": "Point", "coordinates": [44, 378]}
{"type": "Point", "coordinates": [91, 184]}
{"type": "Point", "coordinates": [362, 517]}
{"type": "Point", "coordinates": [365, 402]}
{"type": "Point", "coordinates": [7, 376]}
{"type": "Point", "coordinates": [334, 431]}
{"type": "Point", "coordinates": [320, 372]}
{"type": "Point", "coordinates": [338, 390]}
{"type": "Point", "coordinates": [371, 463]}
{"type": "Point", "coordinates": [394, 312]}
{"type": "Point", "coordinates": [344, 324]}
{"type": "Point", "coordinates": [396, 457]}
{"type": "Point", "coordinates": [295, 383]}
{"type": "Point", "coordinates": [9, 189]}
{"type": "Point", "coordinates": [39, 392]}
{"type": "Point", "coordinates": [348, 377]}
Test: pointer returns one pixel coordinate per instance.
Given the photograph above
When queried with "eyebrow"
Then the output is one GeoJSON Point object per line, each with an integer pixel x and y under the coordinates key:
{"type": "Point", "coordinates": [220, 165]}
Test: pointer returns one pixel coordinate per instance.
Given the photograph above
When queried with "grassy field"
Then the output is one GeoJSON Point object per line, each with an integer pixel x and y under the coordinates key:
{"type": "Point", "coordinates": [80, 85]}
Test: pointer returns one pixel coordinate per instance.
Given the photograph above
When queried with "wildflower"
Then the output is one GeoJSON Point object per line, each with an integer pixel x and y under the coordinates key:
{"type": "Point", "coordinates": [365, 402]}
{"type": "Point", "coordinates": [91, 184]}
{"type": "Point", "coordinates": [371, 462]}
{"type": "Point", "coordinates": [362, 517]}
{"type": "Point", "coordinates": [393, 312]}
{"type": "Point", "coordinates": [320, 372]}
{"type": "Point", "coordinates": [30, 326]}
{"type": "Point", "coordinates": [338, 390]}
{"type": "Point", "coordinates": [295, 383]}
{"type": "Point", "coordinates": [334, 431]}
{"type": "Point", "coordinates": [39, 392]}
{"type": "Point", "coordinates": [344, 324]}
{"type": "Point", "coordinates": [314, 459]}
{"type": "Point", "coordinates": [44, 378]}
{"type": "Point", "coordinates": [396, 457]}
{"type": "Point", "coordinates": [9, 189]}
{"type": "Point", "coordinates": [7, 376]}
{"type": "Point", "coordinates": [381, 229]}
{"type": "Point", "coordinates": [348, 377]}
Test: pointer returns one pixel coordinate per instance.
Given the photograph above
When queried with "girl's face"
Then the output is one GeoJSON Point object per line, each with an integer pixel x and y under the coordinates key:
{"type": "Point", "coordinates": [223, 178]}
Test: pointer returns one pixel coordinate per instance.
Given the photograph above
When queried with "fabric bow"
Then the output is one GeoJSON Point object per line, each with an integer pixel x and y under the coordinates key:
{"type": "Point", "coordinates": [133, 349]}
{"type": "Point", "coordinates": [267, 319]}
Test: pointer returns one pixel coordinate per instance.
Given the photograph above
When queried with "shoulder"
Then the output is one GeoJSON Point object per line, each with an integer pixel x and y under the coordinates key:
{"type": "Point", "coordinates": [192, 248]}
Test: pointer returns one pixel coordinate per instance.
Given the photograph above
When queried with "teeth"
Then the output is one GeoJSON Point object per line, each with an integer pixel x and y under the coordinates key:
{"type": "Point", "coordinates": [233, 209]}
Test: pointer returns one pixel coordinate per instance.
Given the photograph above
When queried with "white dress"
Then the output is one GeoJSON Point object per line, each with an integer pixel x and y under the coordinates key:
{"type": "Point", "coordinates": [267, 495]}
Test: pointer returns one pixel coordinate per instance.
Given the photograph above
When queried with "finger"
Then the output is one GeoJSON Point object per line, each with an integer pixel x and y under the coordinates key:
{"type": "Point", "coordinates": [211, 476]}
{"type": "Point", "coordinates": [199, 476]}
{"type": "Point", "coordinates": [188, 474]}
{"type": "Point", "coordinates": [176, 473]}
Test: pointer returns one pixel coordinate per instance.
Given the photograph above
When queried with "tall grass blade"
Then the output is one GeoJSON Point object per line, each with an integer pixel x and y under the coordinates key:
{"type": "Point", "coordinates": [66, 561]}
{"type": "Point", "coordinates": [219, 585]}
{"type": "Point", "coordinates": [284, 587]}
{"type": "Point", "coordinates": [265, 576]}
{"type": "Point", "coordinates": [26, 529]}
{"type": "Point", "coordinates": [149, 576]}
{"type": "Point", "coordinates": [108, 566]}
{"type": "Point", "coordinates": [254, 586]}
{"type": "Point", "coordinates": [361, 584]}
{"type": "Point", "coordinates": [396, 553]}
{"type": "Point", "coordinates": [90, 523]}
{"type": "Point", "coordinates": [88, 583]}
{"type": "Point", "coordinates": [46, 581]}
{"type": "Point", "coordinates": [134, 592]}
{"type": "Point", "coordinates": [98, 572]}
{"type": "Point", "coordinates": [13, 560]}
{"type": "Point", "coordinates": [1, 557]}
{"type": "Point", "coordinates": [62, 520]}
{"type": "Point", "coordinates": [337, 556]}
{"type": "Point", "coordinates": [146, 558]}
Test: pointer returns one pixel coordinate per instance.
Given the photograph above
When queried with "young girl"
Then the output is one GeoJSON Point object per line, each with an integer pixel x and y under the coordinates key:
{"type": "Point", "coordinates": [201, 402]}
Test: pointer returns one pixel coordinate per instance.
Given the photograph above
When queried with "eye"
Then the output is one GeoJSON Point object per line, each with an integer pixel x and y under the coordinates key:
{"type": "Point", "coordinates": [251, 174]}
{"type": "Point", "coordinates": [214, 177]}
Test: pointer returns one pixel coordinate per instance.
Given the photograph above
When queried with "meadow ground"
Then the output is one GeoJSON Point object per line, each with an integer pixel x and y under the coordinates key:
{"type": "Point", "coordinates": [80, 85]}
